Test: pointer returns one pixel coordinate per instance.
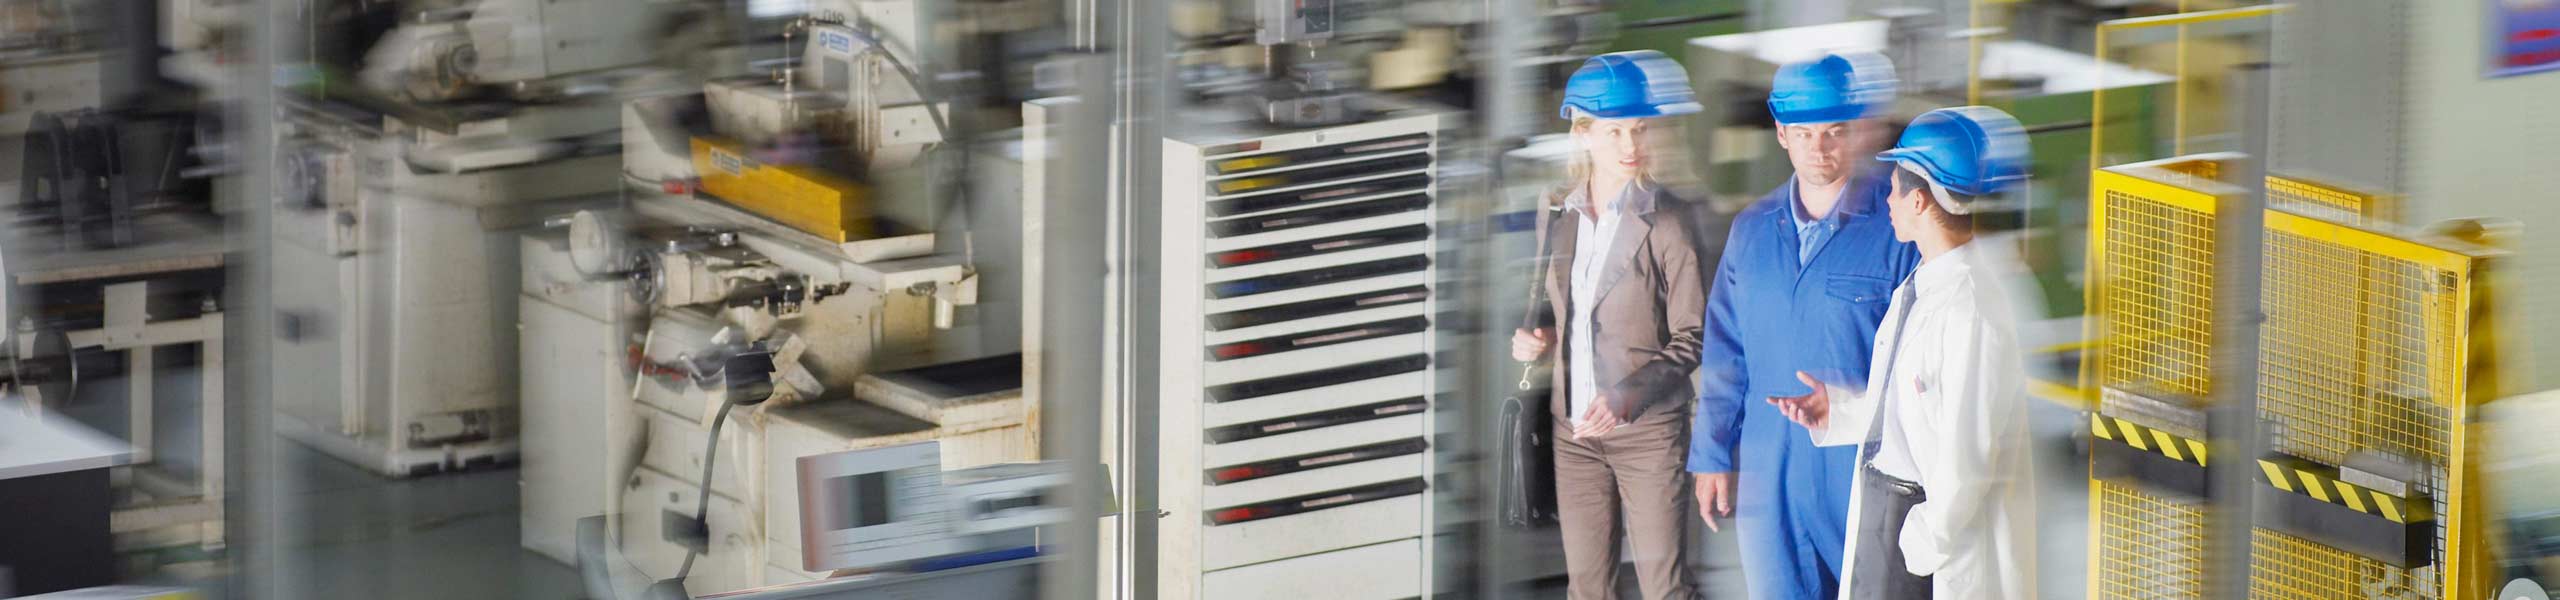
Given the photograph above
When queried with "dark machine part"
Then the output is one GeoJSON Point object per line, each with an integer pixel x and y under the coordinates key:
{"type": "Point", "coordinates": [745, 371]}
{"type": "Point", "coordinates": [1312, 94]}
{"type": "Point", "coordinates": [779, 294]}
{"type": "Point", "coordinates": [342, 30]}
{"type": "Point", "coordinates": [91, 173]}
{"type": "Point", "coordinates": [68, 165]}
{"type": "Point", "coordinates": [129, 74]}
{"type": "Point", "coordinates": [55, 370]}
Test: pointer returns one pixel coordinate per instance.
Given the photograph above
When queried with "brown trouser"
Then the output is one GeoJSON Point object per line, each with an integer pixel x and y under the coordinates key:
{"type": "Point", "coordinates": [1639, 471]}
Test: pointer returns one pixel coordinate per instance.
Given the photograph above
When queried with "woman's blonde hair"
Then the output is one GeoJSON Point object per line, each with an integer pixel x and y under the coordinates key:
{"type": "Point", "coordinates": [1577, 170]}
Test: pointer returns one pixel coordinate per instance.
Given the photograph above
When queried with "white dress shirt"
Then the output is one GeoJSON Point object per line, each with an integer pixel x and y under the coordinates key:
{"type": "Point", "coordinates": [1948, 411]}
{"type": "Point", "coordinates": [1591, 243]}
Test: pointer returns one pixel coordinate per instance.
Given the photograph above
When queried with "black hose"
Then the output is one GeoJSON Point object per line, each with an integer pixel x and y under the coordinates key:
{"type": "Point", "coordinates": [702, 504]}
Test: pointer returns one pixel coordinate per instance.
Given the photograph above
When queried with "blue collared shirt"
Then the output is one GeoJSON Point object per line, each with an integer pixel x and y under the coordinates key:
{"type": "Point", "coordinates": [1810, 232]}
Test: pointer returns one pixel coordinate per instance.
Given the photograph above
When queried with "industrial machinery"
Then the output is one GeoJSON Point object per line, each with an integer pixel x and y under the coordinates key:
{"type": "Point", "coordinates": [2375, 360]}
{"type": "Point", "coordinates": [115, 259]}
{"type": "Point", "coordinates": [783, 219]}
{"type": "Point", "coordinates": [612, 328]}
{"type": "Point", "coordinates": [921, 532]}
{"type": "Point", "coordinates": [1296, 377]}
{"type": "Point", "coordinates": [397, 198]}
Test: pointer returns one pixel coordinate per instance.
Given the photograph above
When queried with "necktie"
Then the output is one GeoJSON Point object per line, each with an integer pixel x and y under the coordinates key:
{"type": "Point", "coordinates": [1903, 298]}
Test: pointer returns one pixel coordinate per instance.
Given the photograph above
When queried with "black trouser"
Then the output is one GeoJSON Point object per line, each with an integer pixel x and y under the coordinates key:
{"type": "Point", "coordinates": [1882, 575]}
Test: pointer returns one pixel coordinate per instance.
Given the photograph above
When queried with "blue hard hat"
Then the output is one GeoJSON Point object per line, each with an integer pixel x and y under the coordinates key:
{"type": "Point", "coordinates": [1627, 85]}
{"type": "Point", "coordinates": [1842, 86]}
{"type": "Point", "coordinates": [1970, 150]}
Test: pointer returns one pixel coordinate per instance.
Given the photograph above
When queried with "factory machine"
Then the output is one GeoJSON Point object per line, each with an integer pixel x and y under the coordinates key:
{"type": "Point", "coordinates": [918, 531]}
{"type": "Point", "coordinates": [112, 262]}
{"type": "Point", "coordinates": [395, 196]}
{"type": "Point", "coordinates": [772, 288]}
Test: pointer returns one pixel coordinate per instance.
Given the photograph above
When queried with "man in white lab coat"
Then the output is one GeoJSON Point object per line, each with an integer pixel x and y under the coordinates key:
{"type": "Point", "coordinates": [1945, 507]}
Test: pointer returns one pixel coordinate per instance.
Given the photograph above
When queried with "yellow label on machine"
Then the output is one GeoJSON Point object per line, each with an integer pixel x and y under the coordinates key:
{"type": "Point", "coordinates": [804, 197]}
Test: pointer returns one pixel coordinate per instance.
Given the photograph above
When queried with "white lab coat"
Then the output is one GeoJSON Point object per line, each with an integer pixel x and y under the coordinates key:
{"type": "Point", "coordinates": [1957, 425]}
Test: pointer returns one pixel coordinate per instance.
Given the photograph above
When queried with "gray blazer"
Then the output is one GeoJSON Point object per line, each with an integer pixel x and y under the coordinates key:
{"type": "Point", "coordinates": [1652, 305]}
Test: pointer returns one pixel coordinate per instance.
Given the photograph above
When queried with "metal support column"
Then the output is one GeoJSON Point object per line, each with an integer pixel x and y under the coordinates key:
{"type": "Point", "coordinates": [1141, 35]}
{"type": "Point", "coordinates": [1066, 343]}
{"type": "Point", "coordinates": [2239, 238]}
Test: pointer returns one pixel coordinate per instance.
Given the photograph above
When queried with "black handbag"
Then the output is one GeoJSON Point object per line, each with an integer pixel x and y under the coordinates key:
{"type": "Point", "coordinates": [1528, 498]}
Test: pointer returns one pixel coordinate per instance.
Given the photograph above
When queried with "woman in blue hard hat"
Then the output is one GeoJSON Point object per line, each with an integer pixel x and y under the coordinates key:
{"type": "Point", "coordinates": [1623, 294]}
{"type": "Point", "coordinates": [1801, 285]}
{"type": "Point", "coordinates": [1945, 507]}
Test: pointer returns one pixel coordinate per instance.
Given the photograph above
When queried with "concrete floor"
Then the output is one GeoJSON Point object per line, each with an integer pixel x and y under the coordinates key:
{"type": "Point", "coordinates": [2062, 503]}
{"type": "Point", "coordinates": [354, 534]}
{"type": "Point", "coordinates": [350, 533]}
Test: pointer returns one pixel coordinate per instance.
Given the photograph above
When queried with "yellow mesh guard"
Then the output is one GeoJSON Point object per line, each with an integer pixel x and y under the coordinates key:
{"type": "Point", "coordinates": [2326, 201]}
{"type": "Point", "coordinates": [2151, 331]}
{"type": "Point", "coordinates": [2150, 292]}
{"type": "Point", "coordinates": [2283, 566]}
{"type": "Point", "coordinates": [2361, 347]}
{"type": "Point", "coordinates": [2147, 546]}
{"type": "Point", "coordinates": [2366, 349]}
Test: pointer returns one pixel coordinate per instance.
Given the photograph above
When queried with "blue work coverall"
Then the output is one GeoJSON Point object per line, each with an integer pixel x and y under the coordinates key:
{"type": "Point", "coordinates": [1768, 317]}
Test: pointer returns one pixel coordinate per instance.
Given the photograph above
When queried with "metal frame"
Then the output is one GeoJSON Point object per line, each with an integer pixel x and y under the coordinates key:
{"type": "Point", "coordinates": [2178, 90]}
{"type": "Point", "coordinates": [129, 328]}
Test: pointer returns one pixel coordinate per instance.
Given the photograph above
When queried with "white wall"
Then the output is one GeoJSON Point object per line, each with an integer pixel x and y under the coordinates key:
{"type": "Point", "coordinates": [2485, 147]}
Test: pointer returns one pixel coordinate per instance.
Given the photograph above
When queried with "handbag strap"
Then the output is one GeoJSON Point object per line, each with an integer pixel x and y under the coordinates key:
{"type": "Point", "coordinates": [1538, 281]}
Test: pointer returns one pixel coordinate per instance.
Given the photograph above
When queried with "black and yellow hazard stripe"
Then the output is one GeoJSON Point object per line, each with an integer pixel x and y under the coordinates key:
{"type": "Point", "coordinates": [2306, 499]}
{"type": "Point", "coordinates": [2177, 448]}
{"type": "Point", "coordinates": [2321, 482]}
{"type": "Point", "coordinates": [2124, 451]}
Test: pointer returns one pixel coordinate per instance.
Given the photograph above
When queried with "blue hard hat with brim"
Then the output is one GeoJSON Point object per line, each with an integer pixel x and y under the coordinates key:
{"type": "Point", "coordinates": [1843, 86]}
{"type": "Point", "coordinates": [1970, 150]}
{"type": "Point", "coordinates": [1629, 85]}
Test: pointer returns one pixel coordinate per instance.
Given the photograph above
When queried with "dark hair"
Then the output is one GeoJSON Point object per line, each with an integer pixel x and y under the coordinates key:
{"type": "Point", "coordinates": [1911, 180]}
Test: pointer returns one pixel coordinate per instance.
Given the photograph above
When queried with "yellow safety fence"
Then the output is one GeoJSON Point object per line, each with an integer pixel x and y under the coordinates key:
{"type": "Point", "coordinates": [2367, 352]}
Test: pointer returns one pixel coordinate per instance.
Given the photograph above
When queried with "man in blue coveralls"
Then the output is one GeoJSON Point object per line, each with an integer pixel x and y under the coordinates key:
{"type": "Point", "coordinates": [1806, 276]}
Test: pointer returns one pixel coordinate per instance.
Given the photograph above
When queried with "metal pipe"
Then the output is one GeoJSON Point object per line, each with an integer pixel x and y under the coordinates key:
{"type": "Point", "coordinates": [2239, 233]}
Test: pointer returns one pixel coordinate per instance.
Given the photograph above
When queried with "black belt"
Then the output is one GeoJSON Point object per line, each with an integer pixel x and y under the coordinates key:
{"type": "Point", "coordinates": [1899, 486]}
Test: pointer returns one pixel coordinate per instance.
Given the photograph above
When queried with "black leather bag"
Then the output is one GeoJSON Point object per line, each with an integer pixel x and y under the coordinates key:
{"type": "Point", "coordinates": [1527, 492]}
{"type": "Point", "coordinates": [1528, 496]}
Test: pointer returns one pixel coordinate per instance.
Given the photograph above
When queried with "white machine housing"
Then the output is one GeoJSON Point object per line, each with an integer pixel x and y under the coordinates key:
{"type": "Point", "coordinates": [399, 290]}
{"type": "Point", "coordinates": [536, 43]}
{"type": "Point", "coordinates": [580, 334]}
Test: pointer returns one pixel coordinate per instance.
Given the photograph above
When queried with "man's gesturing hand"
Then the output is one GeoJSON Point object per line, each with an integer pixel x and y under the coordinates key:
{"type": "Point", "coordinates": [1813, 410]}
